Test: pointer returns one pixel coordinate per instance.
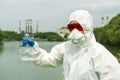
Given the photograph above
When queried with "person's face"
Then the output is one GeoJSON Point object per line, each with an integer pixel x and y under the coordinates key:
{"type": "Point", "coordinates": [74, 25]}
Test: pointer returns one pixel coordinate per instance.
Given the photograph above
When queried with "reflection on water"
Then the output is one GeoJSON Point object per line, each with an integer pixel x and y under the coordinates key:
{"type": "Point", "coordinates": [12, 69]}
{"type": "Point", "coordinates": [1, 48]}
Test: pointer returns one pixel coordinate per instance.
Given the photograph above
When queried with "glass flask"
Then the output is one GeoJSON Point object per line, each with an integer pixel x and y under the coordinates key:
{"type": "Point", "coordinates": [26, 53]}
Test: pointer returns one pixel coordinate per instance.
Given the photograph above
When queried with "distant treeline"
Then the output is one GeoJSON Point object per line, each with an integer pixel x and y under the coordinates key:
{"type": "Point", "coordinates": [47, 36]}
{"type": "Point", "coordinates": [110, 33]}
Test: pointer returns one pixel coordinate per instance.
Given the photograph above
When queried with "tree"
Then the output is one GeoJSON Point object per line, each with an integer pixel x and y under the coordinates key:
{"type": "Point", "coordinates": [9, 35]}
{"type": "Point", "coordinates": [54, 37]}
{"type": "Point", "coordinates": [20, 35]}
{"type": "Point", "coordinates": [109, 34]}
{"type": "Point", "coordinates": [1, 36]}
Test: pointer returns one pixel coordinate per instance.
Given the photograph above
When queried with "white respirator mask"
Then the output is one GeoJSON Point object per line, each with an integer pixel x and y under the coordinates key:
{"type": "Point", "coordinates": [77, 37]}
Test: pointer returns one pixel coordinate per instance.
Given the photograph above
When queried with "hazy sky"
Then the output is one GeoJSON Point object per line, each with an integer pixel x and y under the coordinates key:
{"type": "Point", "coordinates": [52, 14]}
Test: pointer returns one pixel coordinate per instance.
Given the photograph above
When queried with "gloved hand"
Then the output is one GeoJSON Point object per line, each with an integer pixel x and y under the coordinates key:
{"type": "Point", "coordinates": [31, 42]}
{"type": "Point", "coordinates": [24, 41]}
{"type": "Point", "coordinates": [28, 41]}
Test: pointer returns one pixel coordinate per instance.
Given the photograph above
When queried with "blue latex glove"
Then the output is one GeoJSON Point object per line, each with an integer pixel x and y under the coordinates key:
{"type": "Point", "coordinates": [28, 41]}
{"type": "Point", "coordinates": [31, 42]}
{"type": "Point", "coordinates": [24, 41]}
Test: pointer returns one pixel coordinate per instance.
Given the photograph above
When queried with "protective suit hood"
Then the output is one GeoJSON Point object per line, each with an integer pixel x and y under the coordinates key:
{"type": "Point", "coordinates": [86, 21]}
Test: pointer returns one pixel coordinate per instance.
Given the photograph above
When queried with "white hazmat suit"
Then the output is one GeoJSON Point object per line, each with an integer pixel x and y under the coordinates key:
{"type": "Point", "coordinates": [87, 61]}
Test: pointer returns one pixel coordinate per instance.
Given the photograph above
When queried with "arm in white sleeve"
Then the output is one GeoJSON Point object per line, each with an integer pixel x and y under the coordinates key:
{"type": "Point", "coordinates": [52, 59]}
{"type": "Point", "coordinates": [106, 65]}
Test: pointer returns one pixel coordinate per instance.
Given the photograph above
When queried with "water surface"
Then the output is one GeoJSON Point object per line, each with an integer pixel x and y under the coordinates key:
{"type": "Point", "coordinates": [13, 69]}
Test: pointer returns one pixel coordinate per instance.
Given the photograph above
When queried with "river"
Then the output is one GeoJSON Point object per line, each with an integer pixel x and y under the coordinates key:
{"type": "Point", "coordinates": [13, 69]}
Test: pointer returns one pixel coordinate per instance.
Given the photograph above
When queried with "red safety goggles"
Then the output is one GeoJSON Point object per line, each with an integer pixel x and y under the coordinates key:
{"type": "Point", "coordinates": [74, 25]}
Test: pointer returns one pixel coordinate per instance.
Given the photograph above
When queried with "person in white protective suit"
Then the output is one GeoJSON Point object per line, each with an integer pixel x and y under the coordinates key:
{"type": "Point", "coordinates": [82, 57]}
